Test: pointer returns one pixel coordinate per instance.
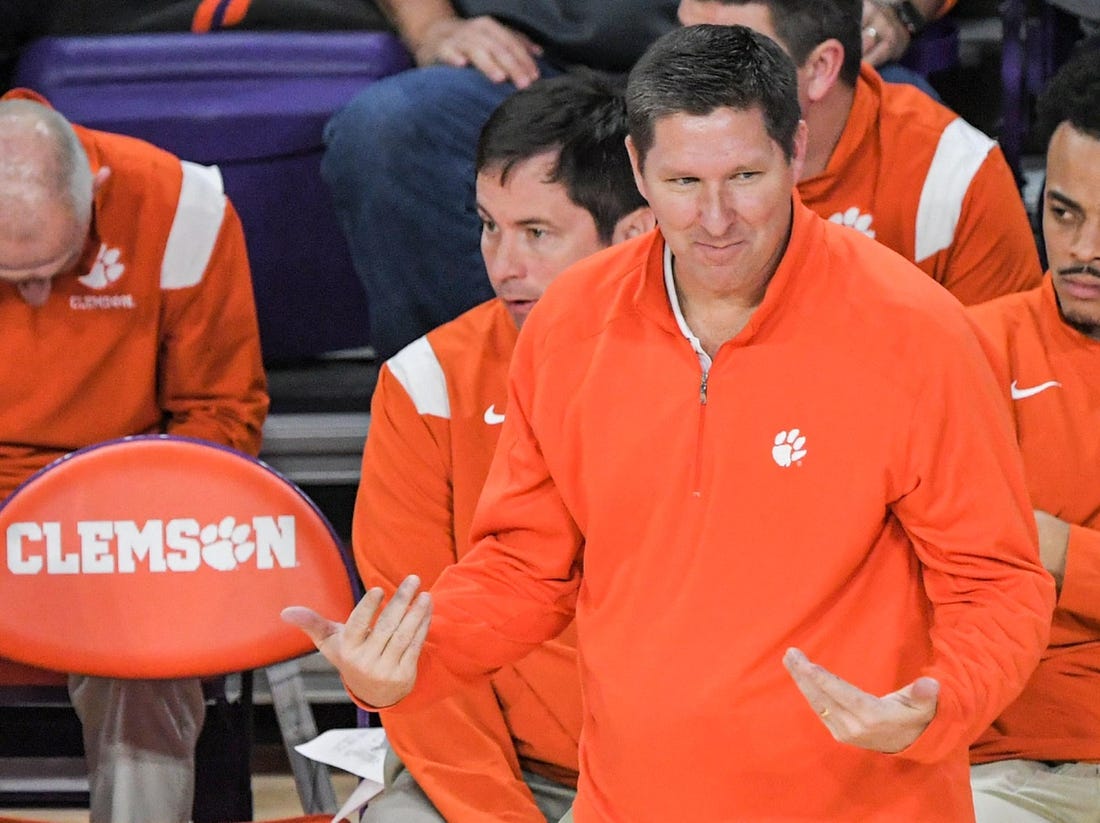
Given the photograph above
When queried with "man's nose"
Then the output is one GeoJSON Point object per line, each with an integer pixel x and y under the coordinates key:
{"type": "Point", "coordinates": [716, 212]}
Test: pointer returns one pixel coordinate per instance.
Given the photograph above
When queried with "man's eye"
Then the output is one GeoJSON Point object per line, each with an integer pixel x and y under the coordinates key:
{"type": "Point", "coordinates": [1062, 214]}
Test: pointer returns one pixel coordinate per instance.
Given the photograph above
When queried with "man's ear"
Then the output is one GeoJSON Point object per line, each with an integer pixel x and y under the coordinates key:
{"type": "Point", "coordinates": [821, 69]}
{"type": "Point", "coordinates": [100, 178]}
{"type": "Point", "coordinates": [635, 165]}
{"type": "Point", "coordinates": [630, 225]}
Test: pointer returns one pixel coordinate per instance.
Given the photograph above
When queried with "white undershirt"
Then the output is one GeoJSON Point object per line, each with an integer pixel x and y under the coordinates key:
{"type": "Point", "coordinates": [670, 286]}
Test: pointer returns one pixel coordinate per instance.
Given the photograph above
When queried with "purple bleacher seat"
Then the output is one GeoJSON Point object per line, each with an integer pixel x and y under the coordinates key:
{"type": "Point", "coordinates": [1037, 39]}
{"type": "Point", "coordinates": [935, 49]}
{"type": "Point", "coordinates": [254, 103]}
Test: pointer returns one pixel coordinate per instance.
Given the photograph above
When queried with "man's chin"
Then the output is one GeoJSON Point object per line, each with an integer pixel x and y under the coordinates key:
{"type": "Point", "coordinates": [519, 310]}
{"type": "Point", "coordinates": [1087, 325]}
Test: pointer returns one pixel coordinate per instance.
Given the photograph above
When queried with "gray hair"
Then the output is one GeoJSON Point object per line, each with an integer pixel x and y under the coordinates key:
{"type": "Point", "coordinates": [41, 153]}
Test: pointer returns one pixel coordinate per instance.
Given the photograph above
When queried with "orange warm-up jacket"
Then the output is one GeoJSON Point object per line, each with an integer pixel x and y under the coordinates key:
{"type": "Point", "coordinates": [696, 536]}
{"type": "Point", "coordinates": [153, 331]}
{"type": "Point", "coordinates": [1051, 373]}
{"type": "Point", "coordinates": [921, 180]}
{"type": "Point", "coordinates": [435, 420]}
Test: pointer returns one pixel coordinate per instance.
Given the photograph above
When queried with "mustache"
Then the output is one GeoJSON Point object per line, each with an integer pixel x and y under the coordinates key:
{"type": "Point", "coordinates": [1084, 269]}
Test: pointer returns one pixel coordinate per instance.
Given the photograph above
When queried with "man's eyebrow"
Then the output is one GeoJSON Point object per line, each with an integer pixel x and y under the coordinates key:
{"type": "Point", "coordinates": [1054, 194]}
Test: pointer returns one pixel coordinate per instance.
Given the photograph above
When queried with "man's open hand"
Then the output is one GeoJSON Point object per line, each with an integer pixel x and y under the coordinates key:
{"type": "Point", "coordinates": [377, 663]}
{"type": "Point", "coordinates": [882, 724]}
{"type": "Point", "coordinates": [496, 50]}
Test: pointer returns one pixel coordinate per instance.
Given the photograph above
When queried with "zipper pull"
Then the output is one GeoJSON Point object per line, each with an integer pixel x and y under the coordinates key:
{"type": "Point", "coordinates": [703, 389]}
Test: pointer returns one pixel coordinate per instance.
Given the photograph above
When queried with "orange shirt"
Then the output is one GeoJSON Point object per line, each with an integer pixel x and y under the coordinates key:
{"type": "Point", "coordinates": [921, 180]}
{"type": "Point", "coordinates": [895, 540]}
{"type": "Point", "coordinates": [435, 420]}
{"type": "Point", "coordinates": [1053, 375]}
{"type": "Point", "coordinates": [154, 331]}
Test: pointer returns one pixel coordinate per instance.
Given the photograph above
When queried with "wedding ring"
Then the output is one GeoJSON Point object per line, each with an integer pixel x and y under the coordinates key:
{"type": "Point", "coordinates": [871, 32]}
{"type": "Point", "coordinates": [824, 713]}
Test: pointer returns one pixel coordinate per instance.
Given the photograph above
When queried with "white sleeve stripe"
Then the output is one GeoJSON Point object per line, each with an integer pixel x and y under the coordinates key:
{"type": "Point", "coordinates": [960, 153]}
{"type": "Point", "coordinates": [418, 371]}
{"type": "Point", "coordinates": [195, 227]}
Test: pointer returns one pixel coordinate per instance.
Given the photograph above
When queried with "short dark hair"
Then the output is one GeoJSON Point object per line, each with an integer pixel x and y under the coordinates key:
{"type": "Point", "coordinates": [698, 69]}
{"type": "Point", "coordinates": [803, 25]}
{"type": "Point", "coordinates": [582, 116]}
{"type": "Point", "coordinates": [1073, 94]}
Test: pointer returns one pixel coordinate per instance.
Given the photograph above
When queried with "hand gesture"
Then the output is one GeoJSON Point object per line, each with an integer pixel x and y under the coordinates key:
{"type": "Point", "coordinates": [498, 52]}
{"type": "Point", "coordinates": [884, 36]}
{"type": "Point", "coordinates": [378, 664]}
{"type": "Point", "coordinates": [882, 724]}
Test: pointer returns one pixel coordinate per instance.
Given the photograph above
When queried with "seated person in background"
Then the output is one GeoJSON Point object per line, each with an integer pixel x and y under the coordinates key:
{"type": "Point", "coordinates": [889, 27]}
{"type": "Point", "coordinates": [1040, 760]}
{"type": "Point", "coordinates": [126, 305]}
{"type": "Point", "coordinates": [890, 162]}
{"type": "Point", "coordinates": [25, 21]}
{"type": "Point", "coordinates": [553, 185]}
{"type": "Point", "coordinates": [400, 157]}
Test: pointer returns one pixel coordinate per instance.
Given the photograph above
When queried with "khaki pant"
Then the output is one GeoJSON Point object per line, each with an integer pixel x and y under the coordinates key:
{"type": "Point", "coordinates": [139, 741]}
{"type": "Point", "coordinates": [1029, 791]}
{"type": "Point", "coordinates": [403, 801]}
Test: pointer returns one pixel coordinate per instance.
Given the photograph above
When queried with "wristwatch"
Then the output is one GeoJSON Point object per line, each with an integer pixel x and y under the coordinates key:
{"type": "Point", "coordinates": [908, 16]}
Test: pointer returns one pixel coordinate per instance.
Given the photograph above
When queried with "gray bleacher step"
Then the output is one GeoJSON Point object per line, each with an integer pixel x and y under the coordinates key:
{"type": "Point", "coordinates": [320, 683]}
{"type": "Point", "coordinates": [316, 449]}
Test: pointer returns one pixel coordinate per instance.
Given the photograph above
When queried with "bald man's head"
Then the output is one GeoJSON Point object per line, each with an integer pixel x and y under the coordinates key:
{"type": "Point", "coordinates": [46, 191]}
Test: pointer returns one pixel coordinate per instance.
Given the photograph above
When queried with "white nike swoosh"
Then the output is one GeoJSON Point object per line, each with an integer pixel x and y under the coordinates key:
{"type": "Point", "coordinates": [491, 416]}
{"type": "Point", "coordinates": [1020, 394]}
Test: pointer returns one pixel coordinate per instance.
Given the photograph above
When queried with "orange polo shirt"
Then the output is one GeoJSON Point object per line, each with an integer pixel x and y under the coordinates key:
{"type": "Point", "coordinates": [918, 178]}
{"type": "Point", "coordinates": [435, 419]}
{"type": "Point", "coordinates": [1052, 374]}
{"type": "Point", "coordinates": [153, 331]}
{"type": "Point", "coordinates": [850, 486]}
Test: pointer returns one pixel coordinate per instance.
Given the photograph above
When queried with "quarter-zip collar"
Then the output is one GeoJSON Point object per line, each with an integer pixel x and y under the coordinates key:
{"type": "Point", "coordinates": [794, 281]}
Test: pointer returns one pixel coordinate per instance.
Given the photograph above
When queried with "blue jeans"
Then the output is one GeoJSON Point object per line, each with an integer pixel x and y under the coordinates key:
{"type": "Point", "coordinates": [399, 162]}
{"type": "Point", "coordinates": [897, 73]}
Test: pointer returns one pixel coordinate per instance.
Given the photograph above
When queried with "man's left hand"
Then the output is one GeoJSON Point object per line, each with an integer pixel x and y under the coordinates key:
{"type": "Point", "coordinates": [882, 724]}
{"type": "Point", "coordinates": [884, 37]}
{"type": "Point", "coordinates": [1053, 544]}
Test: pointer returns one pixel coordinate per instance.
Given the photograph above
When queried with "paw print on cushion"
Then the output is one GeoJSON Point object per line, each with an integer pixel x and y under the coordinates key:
{"type": "Point", "coordinates": [105, 270]}
{"type": "Point", "coordinates": [789, 447]}
{"type": "Point", "coordinates": [854, 220]}
{"type": "Point", "coordinates": [225, 544]}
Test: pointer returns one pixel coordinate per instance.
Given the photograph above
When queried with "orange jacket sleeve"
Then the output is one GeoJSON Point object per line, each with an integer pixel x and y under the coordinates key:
{"type": "Point", "coordinates": [459, 749]}
{"type": "Point", "coordinates": [982, 666]}
{"type": "Point", "coordinates": [211, 382]}
{"type": "Point", "coordinates": [993, 251]}
{"type": "Point", "coordinates": [1082, 577]}
{"type": "Point", "coordinates": [485, 631]}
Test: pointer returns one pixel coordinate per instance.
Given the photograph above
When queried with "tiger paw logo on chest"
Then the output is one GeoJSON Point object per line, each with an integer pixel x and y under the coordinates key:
{"type": "Point", "coordinates": [125, 546]}
{"type": "Point", "coordinates": [105, 271]}
{"type": "Point", "coordinates": [854, 219]}
{"type": "Point", "coordinates": [789, 448]}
